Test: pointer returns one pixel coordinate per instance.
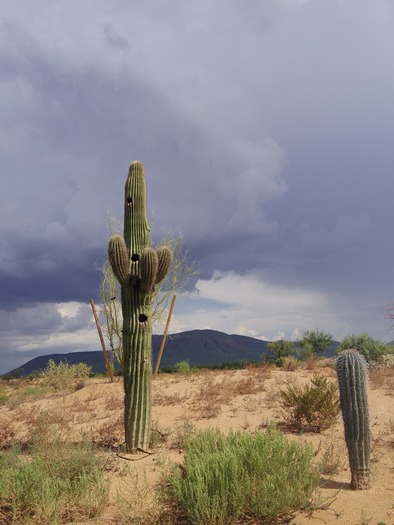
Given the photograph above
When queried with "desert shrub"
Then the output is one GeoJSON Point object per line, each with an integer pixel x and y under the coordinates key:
{"type": "Point", "coordinates": [314, 342]}
{"type": "Point", "coordinates": [290, 364]}
{"type": "Point", "coordinates": [7, 433]}
{"type": "Point", "coordinates": [372, 349]}
{"type": "Point", "coordinates": [305, 351]}
{"type": "Point", "coordinates": [310, 407]}
{"type": "Point", "coordinates": [79, 384]}
{"type": "Point", "coordinates": [4, 395]}
{"type": "Point", "coordinates": [332, 455]}
{"type": "Point", "coordinates": [280, 349]}
{"type": "Point", "coordinates": [58, 482]}
{"type": "Point", "coordinates": [63, 375]}
{"type": "Point", "coordinates": [257, 477]}
{"type": "Point", "coordinates": [183, 367]}
{"type": "Point", "coordinates": [157, 436]}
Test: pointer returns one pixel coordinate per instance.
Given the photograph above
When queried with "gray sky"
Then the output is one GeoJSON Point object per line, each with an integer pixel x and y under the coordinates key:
{"type": "Point", "coordinates": [267, 132]}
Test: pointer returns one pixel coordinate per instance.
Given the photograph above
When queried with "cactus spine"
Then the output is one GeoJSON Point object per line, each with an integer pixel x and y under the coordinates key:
{"type": "Point", "coordinates": [352, 379]}
{"type": "Point", "coordinates": [138, 268]}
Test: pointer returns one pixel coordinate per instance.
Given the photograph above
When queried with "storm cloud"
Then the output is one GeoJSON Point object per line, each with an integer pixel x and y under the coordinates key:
{"type": "Point", "coordinates": [266, 130]}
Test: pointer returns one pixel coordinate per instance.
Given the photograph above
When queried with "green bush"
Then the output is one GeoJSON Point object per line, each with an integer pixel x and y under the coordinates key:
{"type": "Point", "coordinates": [256, 477]}
{"type": "Point", "coordinates": [315, 342]}
{"type": "Point", "coordinates": [63, 375]}
{"type": "Point", "coordinates": [372, 349]}
{"type": "Point", "coordinates": [311, 407]}
{"type": "Point", "coordinates": [183, 367]}
{"type": "Point", "coordinates": [280, 350]}
{"type": "Point", "coordinates": [58, 482]}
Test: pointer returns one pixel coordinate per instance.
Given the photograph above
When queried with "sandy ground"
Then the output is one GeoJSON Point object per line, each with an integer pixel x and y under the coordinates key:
{"type": "Point", "coordinates": [244, 400]}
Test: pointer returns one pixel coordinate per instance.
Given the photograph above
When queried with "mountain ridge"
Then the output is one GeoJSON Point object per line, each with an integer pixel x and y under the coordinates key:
{"type": "Point", "coordinates": [200, 347]}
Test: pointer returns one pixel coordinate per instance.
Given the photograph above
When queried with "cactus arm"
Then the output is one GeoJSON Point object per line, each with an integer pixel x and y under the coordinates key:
{"type": "Point", "coordinates": [149, 264]}
{"type": "Point", "coordinates": [164, 255]}
{"type": "Point", "coordinates": [352, 380]}
{"type": "Point", "coordinates": [119, 259]}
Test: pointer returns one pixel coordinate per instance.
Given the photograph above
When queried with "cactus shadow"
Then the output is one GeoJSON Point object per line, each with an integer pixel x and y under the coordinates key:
{"type": "Point", "coordinates": [335, 485]}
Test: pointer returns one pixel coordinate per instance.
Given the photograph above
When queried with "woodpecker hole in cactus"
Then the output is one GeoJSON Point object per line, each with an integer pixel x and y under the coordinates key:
{"type": "Point", "coordinates": [129, 201]}
{"type": "Point", "coordinates": [142, 318]}
{"type": "Point", "coordinates": [135, 257]}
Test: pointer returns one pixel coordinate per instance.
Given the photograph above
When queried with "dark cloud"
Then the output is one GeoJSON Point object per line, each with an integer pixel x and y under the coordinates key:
{"type": "Point", "coordinates": [265, 129]}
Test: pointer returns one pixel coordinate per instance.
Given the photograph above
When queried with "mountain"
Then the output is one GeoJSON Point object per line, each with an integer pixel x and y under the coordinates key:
{"type": "Point", "coordinates": [198, 347]}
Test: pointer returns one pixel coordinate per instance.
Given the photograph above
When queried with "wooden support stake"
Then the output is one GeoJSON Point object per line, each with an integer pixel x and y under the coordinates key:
{"type": "Point", "coordinates": [163, 341]}
{"type": "Point", "coordinates": [100, 333]}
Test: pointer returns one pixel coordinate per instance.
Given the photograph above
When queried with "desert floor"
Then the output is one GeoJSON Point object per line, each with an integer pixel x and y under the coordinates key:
{"type": "Point", "coordinates": [246, 400]}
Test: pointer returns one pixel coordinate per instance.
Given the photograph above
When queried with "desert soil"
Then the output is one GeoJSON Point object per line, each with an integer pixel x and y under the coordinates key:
{"type": "Point", "coordinates": [245, 400]}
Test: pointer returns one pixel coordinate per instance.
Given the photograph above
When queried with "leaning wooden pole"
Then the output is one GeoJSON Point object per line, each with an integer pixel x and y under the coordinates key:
{"type": "Point", "coordinates": [100, 333]}
{"type": "Point", "coordinates": [163, 341]}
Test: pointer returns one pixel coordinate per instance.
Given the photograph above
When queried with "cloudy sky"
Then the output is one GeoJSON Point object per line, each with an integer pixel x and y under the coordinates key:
{"type": "Point", "coordinates": [267, 132]}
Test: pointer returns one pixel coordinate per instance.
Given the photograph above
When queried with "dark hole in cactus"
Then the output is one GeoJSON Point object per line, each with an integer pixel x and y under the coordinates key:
{"type": "Point", "coordinates": [135, 257]}
{"type": "Point", "coordinates": [129, 201]}
{"type": "Point", "coordinates": [142, 318]}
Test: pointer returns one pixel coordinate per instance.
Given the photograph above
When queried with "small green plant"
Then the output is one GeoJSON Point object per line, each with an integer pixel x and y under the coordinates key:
{"type": "Point", "coordinates": [312, 407]}
{"type": "Point", "coordinates": [257, 477]}
{"type": "Point", "coordinates": [63, 375]}
{"type": "Point", "coordinates": [183, 367]}
{"type": "Point", "coordinates": [58, 482]}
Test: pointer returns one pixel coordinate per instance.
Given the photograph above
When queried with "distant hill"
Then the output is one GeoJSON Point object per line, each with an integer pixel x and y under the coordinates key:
{"type": "Point", "coordinates": [198, 347]}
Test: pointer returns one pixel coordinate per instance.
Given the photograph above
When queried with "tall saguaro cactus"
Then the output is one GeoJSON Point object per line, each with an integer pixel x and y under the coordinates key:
{"type": "Point", "coordinates": [352, 380]}
{"type": "Point", "coordinates": [137, 267]}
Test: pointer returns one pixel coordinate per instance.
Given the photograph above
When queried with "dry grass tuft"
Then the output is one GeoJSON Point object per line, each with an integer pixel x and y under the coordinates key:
{"type": "Point", "coordinates": [7, 433]}
{"type": "Point", "coordinates": [161, 399]}
{"type": "Point", "coordinates": [382, 377]}
{"type": "Point", "coordinates": [110, 434]}
{"type": "Point", "coordinates": [182, 432]}
{"type": "Point", "coordinates": [130, 511]}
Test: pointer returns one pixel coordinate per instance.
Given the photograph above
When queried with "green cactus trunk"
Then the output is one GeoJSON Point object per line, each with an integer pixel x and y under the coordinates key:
{"type": "Point", "coordinates": [352, 379]}
{"type": "Point", "coordinates": [138, 268]}
{"type": "Point", "coordinates": [137, 368]}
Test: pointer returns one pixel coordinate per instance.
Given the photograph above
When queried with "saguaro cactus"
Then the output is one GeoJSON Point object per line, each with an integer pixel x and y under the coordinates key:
{"type": "Point", "coordinates": [352, 379]}
{"type": "Point", "coordinates": [138, 268]}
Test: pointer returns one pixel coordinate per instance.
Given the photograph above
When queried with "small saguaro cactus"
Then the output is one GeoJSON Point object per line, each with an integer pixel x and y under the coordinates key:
{"type": "Point", "coordinates": [137, 267]}
{"type": "Point", "coordinates": [352, 380]}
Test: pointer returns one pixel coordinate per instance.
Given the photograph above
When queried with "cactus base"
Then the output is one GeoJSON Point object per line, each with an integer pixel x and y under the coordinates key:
{"type": "Point", "coordinates": [360, 480]}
